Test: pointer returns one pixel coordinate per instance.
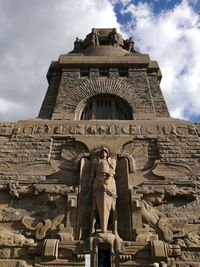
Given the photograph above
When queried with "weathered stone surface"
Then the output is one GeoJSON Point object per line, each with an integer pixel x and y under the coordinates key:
{"type": "Point", "coordinates": [125, 189]}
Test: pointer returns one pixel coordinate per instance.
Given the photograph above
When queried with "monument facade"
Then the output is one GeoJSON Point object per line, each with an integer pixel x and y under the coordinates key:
{"type": "Point", "coordinates": [104, 176]}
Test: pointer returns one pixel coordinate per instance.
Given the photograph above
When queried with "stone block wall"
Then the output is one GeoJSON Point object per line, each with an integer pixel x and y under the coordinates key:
{"type": "Point", "coordinates": [45, 183]}
{"type": "Point", "coordinates": [49, 101]}
{"type": "Point", "coordinates": [157, 96]}
{"type": "Point", "coordinates": [141, 91]}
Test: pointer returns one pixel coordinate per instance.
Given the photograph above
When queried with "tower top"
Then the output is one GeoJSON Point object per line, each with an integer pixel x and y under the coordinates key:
{"type": "Point", "coordinates": [103, 68]}
{"type": "Point", "coordinates": [104, 41]}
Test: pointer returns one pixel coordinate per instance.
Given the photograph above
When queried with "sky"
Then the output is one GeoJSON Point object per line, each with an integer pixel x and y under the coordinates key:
{"type": "Point", "coordinates": [35, 32]}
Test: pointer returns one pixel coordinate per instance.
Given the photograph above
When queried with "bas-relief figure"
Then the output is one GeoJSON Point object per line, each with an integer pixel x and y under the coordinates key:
{"type": "Point", "coordinates": [102, 185]}
{"type": "Point", "coordinates": [104, 191]}
{"type": "Point", "coordinates": [167, 229]}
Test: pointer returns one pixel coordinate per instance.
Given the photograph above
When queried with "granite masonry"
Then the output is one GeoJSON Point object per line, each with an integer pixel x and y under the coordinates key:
{"type": "Point", "coordinates": [104, 176]}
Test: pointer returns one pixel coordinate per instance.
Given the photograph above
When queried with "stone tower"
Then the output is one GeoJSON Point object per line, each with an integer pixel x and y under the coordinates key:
{"type": "Point", "coordinates": [104, 176]}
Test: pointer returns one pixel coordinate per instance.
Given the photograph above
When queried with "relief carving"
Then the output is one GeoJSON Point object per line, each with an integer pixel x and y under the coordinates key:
{"type": "Point", "coordinates": [182, 129]}
{"type": "Point", "coordinates": [28, 168]}
{"type": "Point", "coordinates": [8, 238]}
{"type": "Point", "coordinates": [173, 170]}
{"type": "Point", "coordinates": [192, 239]}
{"type": "Point", "coordinates": [9, 214]}
{"type": "Point", "coordinates": [83, 128]}
{"type": "Point", "coordinates": [13, 189]}
{"type": "Point", "coordinates": [43, 129]}
{"type": "Point", "coordinates": [40, 227]}
{"type": "Point", "coordinates": [104, 191]}
{"type": "Point", "coordinates": [157, 220]}
{"type": "Point", "coordinates": [80, 129]}
{"type": "Point", "coordinates": [46, 222]}
{"type": "Point", "coordinates": [28, 130]}
{"type": "Point", "coordinates": [139, 154]}
{"type": "Point", "coordinates": [16, 131]}
{"type": "Point", "coordinates": [3, 130]}
{"type": "Point", "coordinates": [91, 129]}
{"type": "Point", "coordinates": [58, 129]}
{"type": "Point", "coordinates": [67, 164]}
{"type": "Point", "coordinates": [97, 184]}
{"type": "Point", "coordinates": [6, 128]}
{"type": "Point", "coordinates": [170, 229]}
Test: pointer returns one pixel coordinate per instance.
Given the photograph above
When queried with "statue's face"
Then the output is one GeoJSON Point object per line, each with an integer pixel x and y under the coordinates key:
{"type": "Point", "coordinates": [103, 154]}
{"type": "Point", "coordinates": [155, 199]}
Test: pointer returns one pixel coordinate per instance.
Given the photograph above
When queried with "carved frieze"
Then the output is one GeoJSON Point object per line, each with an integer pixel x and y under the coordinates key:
{"type": "Point", "coordinates": [107, 128]}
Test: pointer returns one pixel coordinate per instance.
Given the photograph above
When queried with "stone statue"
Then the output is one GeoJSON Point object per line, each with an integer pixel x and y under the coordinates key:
{"type": "Point", "coordinates": [129, 45]}
{"type": "Point", "coordinates": [94, 37]}
{"type": "Point", "coordinates": [104, 191]}
{"type": "Point", "coordinates": [77, 45]}
{"type": "Point", "coordinates": [114, 37]}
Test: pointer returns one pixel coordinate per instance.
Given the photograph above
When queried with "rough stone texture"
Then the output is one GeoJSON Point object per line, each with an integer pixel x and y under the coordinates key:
{"type": "Point", "coordinates": [134, 90]}
{"type": "Point", "coordinates": [50, 97]}
{"type": "Point", "coordinates": [58, 201]}
{"type": "Point", "coordinates": [157, 97]}
{"type": "Point", "coordinates": [74, 91]}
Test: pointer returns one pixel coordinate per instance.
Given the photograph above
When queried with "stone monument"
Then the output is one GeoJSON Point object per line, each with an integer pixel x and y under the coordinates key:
{"type": "Point", "coordinates": [104, 173]}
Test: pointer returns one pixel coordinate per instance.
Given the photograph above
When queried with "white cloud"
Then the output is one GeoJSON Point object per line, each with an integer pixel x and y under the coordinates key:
{"type": "Point", "coordinates": [32, 34]}
{"type": "Point", "coordinates": [173, 39]}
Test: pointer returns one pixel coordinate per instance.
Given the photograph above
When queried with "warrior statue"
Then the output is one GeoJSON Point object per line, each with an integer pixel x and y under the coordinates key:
{"type": "Point", "coordinates": [114, 38]}
{"type": "Point", "coordinates": [94, 37]}
{"type": "Point", "coordinates": [104, 191]}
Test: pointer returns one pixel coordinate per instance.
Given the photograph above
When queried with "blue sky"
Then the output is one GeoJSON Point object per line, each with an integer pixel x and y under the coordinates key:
{"type": "Point", "coordinates": [158, 6]}
{"type": "Point", "coordinates": [148, 23]}
{"type": "Point", "coordinates": [34, 34]}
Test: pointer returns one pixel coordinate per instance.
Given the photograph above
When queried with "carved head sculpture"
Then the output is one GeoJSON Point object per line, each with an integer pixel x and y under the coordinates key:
{"type": "Point", "coordinates": [153, 196]}
{"type": "Point", "coordinates": [104, 152]}
{"type": "Point", "coordinates": [94, 31]}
